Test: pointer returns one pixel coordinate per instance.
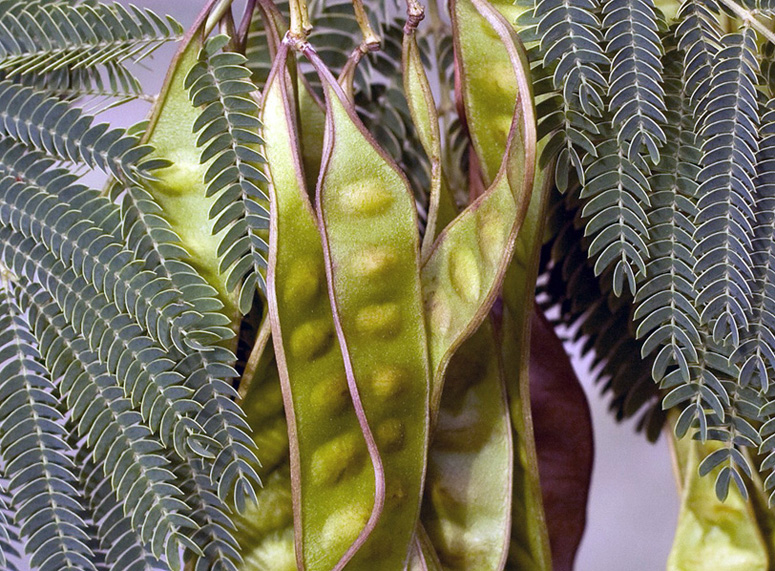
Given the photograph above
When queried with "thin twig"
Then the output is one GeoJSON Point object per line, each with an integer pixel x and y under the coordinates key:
{"type": "Point", "coordinates": [256, 353]}
{"type": "Point", "coordinates": [415, 13]}
{"type": "Point", "coordinates": [215, 15]}
{"type": "Point", "coordinates": [300, 24]}
{"type": "Point", "coordinates": [247, 19]}
{"type": "Point", "coordinates": [750, 19]}
{"type": "Point", "coordinates": [370, 39]}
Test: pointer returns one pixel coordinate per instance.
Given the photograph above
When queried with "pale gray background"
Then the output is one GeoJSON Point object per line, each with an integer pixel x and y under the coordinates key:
{"type": "Point", "coordinates": [633, 503]}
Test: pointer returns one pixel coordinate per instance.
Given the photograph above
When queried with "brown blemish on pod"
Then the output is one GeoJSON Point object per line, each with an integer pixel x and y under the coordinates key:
{"type": "Point", "coordinates": [331, 395]}
{"type": "Point", "coordinates": [373, 261]}
{"type": "Point", "coordinates": [464, 274]}
{"type": "Point", "coordinates": [382, 320]}
{"type": "Point", "coordinates": [311, 339]}
{"type": "Point", "coordinates": [365, 198]}
{"type": "Point", "coordinates": [303, 282]}
{"type": "Point", "coordinates": [337, 459]}
{"type": "Point", "coordinates": [390, 435]}
{"type": "Point", "coordinates": [388, 381]}
{"type": "Point", "coordinates": [343, 526]}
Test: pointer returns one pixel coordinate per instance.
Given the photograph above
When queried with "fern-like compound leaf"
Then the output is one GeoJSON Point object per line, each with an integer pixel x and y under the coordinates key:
{"type": "Point", "coordinates": [9, 534]}
{"type": "Point", "coordinates": [726, 190]}
{"type": "Point", "coordinates": [756, 351]}
{"type": "Point", "coordinates": [40, 212]}
{"type": "Point", "coordinates": [699, 36]}
{"type": "Point", "coordinates": [665, 313]}
{"type": "Point", "coordinates": [636, 96]}
{"type": "Point", "coordinates": [118, 542]}
{"type": "Point", "coordinates": [570, 43]}
{"type": "Point", "coordinates": [114, 433]}
{"type": "Point", "coordinates": [143, 368]}
{"type": "Point", "coordinates": [207, 373]}
{"type": "Point", "coordinates": [36, 456]}
{"type": "Point", "coordinates": [65, 132]}
{"type": "Point", "coordinates": [615, 198]}
{"type": "Point", "coordinates": [38, 39]}
{"type": "Point", "coordinates": [228, 129]}
{"type": "Point", "coordinates": [220, 551]}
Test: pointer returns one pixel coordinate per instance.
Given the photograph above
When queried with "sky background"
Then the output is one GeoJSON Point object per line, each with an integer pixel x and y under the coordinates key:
{"type": "Point", "coordinates": [633, 501]}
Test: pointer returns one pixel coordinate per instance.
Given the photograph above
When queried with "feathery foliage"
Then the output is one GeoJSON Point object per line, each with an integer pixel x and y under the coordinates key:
{"type": "Point", "coordinates": [673, 168]}
{"type": "Point", "coordinates": [228, 129]}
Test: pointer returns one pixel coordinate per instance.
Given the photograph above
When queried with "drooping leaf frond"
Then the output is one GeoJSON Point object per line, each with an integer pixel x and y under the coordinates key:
{"type": "Point", "coordinates": [228, 129]}
{"type": "Point", "coordinates": [36, 456]}
{"type": "Point", "coordinates": [9, 534]}
{"type": "Point", "coordinates": [114, 433]}
{"type": "Point", "coordinates": [119, 543]}
{"type": "Point", "coordinates": [668, 320]}
{"type": "Point", "coordinates": [570, 43]}
{"type": "Point", "coordinates": [38, 39]}
{"type": "Point", "coordinates": [699, 35]}
{"type": "Point", "coordinates": [101, 259]}
{"type": "Point", "coordinates": [756, 351]}
{"type": "Point", "coordinates": [601, 320]}
{"type": "Point", "coordinates": [215, 533]}
{"type": "Point", "coordinates": [726, 189]}
{"type": "Point", "coordinates": [143, 368]}
{"type": "Point", "coordinates": [65, 132]}
{"type": "Point", "coordinates": [615, 195]}
{"type": "Point", "coordinates": [636, 96]}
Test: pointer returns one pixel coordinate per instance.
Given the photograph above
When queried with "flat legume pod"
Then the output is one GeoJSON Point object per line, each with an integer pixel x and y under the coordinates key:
{"type": "Point", "coordinates": [180, 188]}
{"type": "Point", "coordinates": [712, 535]}
{"type": "Point", "coordinates": [419, 97]}
{"type": "Point", "coordinates": [464, 271]}
{"type": "Point", "coordinates": [530, 541]}
{"type": "Point", "coordinates": [312, 118]}
{"type": "Point", "coordinates": [473, 436]}
{"type": "Point", "coordinates": [467, 507]}
{"type": "Point", "coordinates": [265, 529]}
{"type": "Point", "coordinates": [336, 472]}
{"type": "Point", "coordinates": [423, 557]}
{"type": "Point", "coordinates": [370, 241]}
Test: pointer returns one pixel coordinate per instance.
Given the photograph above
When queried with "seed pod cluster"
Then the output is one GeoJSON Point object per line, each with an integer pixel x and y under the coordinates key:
{"type": "Point", "coordinates": [379, 408]}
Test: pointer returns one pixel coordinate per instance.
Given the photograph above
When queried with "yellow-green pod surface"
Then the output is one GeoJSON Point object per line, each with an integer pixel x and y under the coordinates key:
{"type": "Point", "coordinates": [311, 116]}
{"type": "Point", "coordinates": [468, 497]}
{"type": "Point", "coordinates": [712, 535]}
{"type": "Point", "coordinates": [337, 497]}
{"type": "Point", "coordinates": [464, 271]}
{"type": "Point", "coordinates": [486, 74]}
{"type": "Point", "coordinates": [265, 529]}
{"type": "Point", "coordinates": [486, 95]}
{"type": "Point", "coordinates": [529, 537]}
{"type": "Point", "coordinates": [423, 557]}
{"type": "Point", "coordinates": [473, 436]}
{"type": "Point", "coordinates": [422, 106]}
{"type": "Point", "coordinates": [370, 241]}
{"type": "Point", "coordinates": [180, 188]}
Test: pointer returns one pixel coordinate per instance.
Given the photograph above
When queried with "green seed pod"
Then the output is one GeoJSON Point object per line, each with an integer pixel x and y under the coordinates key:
{"type": "Point", "coordinates": [468, 517]}
{"type": "Point", "coordinates": [336, 472]}
{"type": "Point", "coordinates": [180, 189]}
{"type": "Point", "coordinates": [465, 268]}
{"type": "Point", "coordinates": [423, 557]}
{"type": "Point", "coordinates": [419, 97]}
{"type": "Point", "coordinates": [368, 221]}
{"type": "Point", "coordinates": [530, 540]}
{"type": "Point", "coordinates": [723, 536]}
{"type": "Point", "coordinates": [265, 528]}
